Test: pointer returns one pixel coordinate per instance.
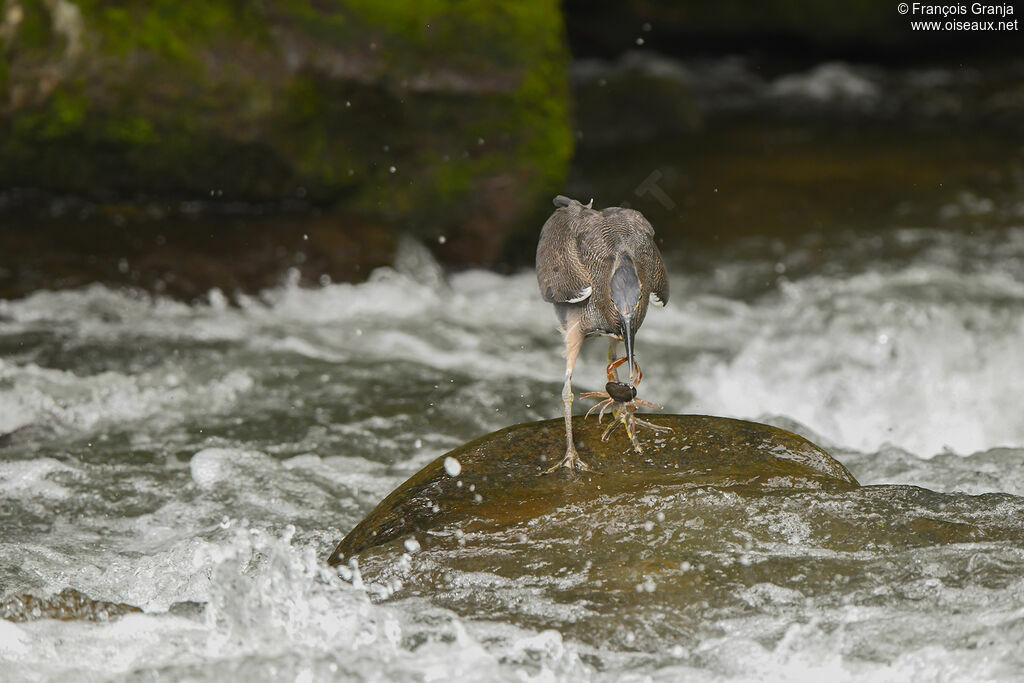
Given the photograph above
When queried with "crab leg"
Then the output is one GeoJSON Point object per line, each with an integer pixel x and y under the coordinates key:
{"type": "Point", "coordinates": [651, 425]}
{"type": "Point", "coordinates": [646, 404]}
{"type": "Point", "coordinates": [612, 367]}
{"type": "Point", "coordinates": [603, 405]}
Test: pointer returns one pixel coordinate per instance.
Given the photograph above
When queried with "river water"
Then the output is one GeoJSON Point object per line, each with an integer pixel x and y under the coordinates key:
{"type": "Point", "coordinates": [201, 460]}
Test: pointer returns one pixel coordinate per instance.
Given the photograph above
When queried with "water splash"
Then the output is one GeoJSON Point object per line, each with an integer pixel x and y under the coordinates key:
{"type": "Point", "coordinates": [160, 452]}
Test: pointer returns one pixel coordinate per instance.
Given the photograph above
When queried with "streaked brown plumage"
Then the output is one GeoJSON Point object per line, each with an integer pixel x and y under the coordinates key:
{"type": "Point", "coordinates": [600, 269]}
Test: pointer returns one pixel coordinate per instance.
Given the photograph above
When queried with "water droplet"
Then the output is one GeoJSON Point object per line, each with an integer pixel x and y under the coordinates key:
{"type": "Point", "coordinates": [452, 466]}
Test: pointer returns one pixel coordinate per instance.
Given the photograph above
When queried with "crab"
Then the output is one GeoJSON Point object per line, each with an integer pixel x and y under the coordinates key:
{"type": "Point", "coordinates": [621, 398]}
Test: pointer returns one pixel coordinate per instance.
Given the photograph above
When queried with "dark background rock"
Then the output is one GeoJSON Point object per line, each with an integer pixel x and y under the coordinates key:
{"type": "Point", "coordinates": [802, 30]}
{"type": "Point", "coordinates": [439, 119]}
{"type": "Point", "coordinates": [186, 249]}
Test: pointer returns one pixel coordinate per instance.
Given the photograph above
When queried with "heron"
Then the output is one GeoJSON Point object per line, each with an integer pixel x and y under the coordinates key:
{"type": "Point", "coordinates": [601, 270]}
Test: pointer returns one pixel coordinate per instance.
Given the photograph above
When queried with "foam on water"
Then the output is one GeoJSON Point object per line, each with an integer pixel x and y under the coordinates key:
{"type": "Point", "coordinates": [165, 454]}
{"type": "Point", "coordinates": [63, 398]}
{"type": "Point", "coordinates": [31, 478]}
{"type": "Point", "coordinates": [275, 612]}
{"type": "Point", "coordinates": [925, 359]}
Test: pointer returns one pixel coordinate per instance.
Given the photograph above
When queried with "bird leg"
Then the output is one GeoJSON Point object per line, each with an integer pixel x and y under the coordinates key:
{"type": "Point", "coordinates": [571, 460]}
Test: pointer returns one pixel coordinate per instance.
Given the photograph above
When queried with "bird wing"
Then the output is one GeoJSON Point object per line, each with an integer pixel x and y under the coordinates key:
{"type": "Point", "coordinates": [561, 273]}
{"type": "Point", "coordinates": [632, 229]}
{"type": "Point", "coordinates": [659, 283]}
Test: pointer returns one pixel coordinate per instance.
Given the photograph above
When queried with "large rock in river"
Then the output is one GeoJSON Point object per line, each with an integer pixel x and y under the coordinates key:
{"type": "Point", "coordinates": [722, 532]}
{"type": "Point", "coordinates": [441, 118]}
{"type": "Point", "coordinates": [495, 481]}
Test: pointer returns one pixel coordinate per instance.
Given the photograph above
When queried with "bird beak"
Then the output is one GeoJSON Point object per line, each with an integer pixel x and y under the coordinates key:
{"type": "Point", "coordinates": [626, 329]}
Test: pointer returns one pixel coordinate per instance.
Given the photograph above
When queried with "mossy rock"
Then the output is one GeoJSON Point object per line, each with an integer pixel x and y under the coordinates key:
{"type": "Point", "coordinates": [498, 479]}
{"type": "Point", "coordinates": [439, 117]}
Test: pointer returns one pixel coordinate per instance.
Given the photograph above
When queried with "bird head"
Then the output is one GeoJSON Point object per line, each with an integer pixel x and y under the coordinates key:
{"type": "Point", "coordinates": [629, 306]}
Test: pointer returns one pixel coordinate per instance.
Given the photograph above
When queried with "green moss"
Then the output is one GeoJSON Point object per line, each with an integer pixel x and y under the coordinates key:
{"type": "Point", "coordinates": [133, 130]}
{"type": "Point", "coordinates": [525, 128]}
{"type": "Point", "coordinates": [432, 138]}
{"type": "Point", "coordinates": [542, 104]}
{"type": "Point", "coordinates": [63, 114]}
{"type": "Point", "coordinates": [499, 32]}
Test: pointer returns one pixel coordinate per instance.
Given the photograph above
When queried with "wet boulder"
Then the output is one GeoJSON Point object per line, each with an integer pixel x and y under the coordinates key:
{"type": "Point", "coordinates": [721, 529]}
{"type": "Point", "coordinates": [496, 482]}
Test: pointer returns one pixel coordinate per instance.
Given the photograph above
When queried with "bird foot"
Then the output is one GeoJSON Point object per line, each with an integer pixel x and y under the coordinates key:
{"type": "Point", "coordinates": [571, 461]}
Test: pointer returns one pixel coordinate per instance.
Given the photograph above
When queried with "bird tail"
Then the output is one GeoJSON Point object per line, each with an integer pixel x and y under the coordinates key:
{"type": "Point", "coordinates": [561, 201]}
